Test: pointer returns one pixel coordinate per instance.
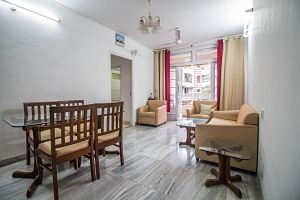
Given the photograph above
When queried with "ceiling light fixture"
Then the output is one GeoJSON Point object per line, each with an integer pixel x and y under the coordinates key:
{"type": "Point", "coordinates": [16, 7]}
{"type": "Point", "coordinates": [149, 24]}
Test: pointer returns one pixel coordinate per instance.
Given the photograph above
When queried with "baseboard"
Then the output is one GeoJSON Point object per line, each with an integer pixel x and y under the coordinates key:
{"type": "Point", "coordinates": [13, 160]}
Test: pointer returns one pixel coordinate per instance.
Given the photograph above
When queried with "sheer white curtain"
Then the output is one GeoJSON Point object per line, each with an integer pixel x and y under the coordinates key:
{"type": "Point", "coordinates": [232, 75]}
{"type": "Point", "coordinates": [159, 75]}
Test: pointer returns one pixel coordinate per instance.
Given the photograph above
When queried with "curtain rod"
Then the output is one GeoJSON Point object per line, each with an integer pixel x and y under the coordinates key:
{"type": "Point", "coordinates": [202, 43]}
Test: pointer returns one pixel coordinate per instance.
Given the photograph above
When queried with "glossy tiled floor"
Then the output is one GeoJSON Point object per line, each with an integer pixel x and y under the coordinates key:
{"type": "Point", "coordinates": [155, 168]}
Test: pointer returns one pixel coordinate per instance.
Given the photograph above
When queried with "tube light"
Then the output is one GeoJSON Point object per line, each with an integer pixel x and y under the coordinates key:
{"type": "Point", "coordinates": [16, 7]}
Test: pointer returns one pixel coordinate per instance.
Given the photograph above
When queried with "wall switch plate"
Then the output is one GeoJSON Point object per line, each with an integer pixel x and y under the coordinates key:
{"type": "Point", "coordinates": [262, 113]}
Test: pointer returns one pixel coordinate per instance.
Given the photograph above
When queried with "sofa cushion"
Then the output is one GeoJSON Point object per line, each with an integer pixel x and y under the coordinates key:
{"type": "Point", "coordinates": [247, 115]}
{"type": "Point", "coordinates": [147, 114]}
{"type": "Point", "coordinates": [153, 104]}
{"type": "Point", "coordinates": [199, 116]}
{"type": "Point", "coordinates": [206, 109]}
{"type": "Point", "coordinates": [221, 121]}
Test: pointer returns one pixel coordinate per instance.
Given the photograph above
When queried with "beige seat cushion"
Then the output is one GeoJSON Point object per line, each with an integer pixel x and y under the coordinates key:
{"type": "Point", "coordinates": [107, 137]}
{"type": "Point", "coordinates": [200, 116]}
{"type": "Point", "coordinates": [222, 121]}
{"type": "Point", "coordinates": [45, 135]}
{"type": "Point", "coordinates": [147, 114]}
{"type": "Point", "coordinates": [46, 147]}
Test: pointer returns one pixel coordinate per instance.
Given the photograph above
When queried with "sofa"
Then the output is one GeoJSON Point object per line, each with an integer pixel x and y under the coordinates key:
{"type": "Point", "coordinates": [154, 113]}
{"type": "Point", "coordinates": [240, 126]}
{"type": "Point", "coordinates": [201, 112]}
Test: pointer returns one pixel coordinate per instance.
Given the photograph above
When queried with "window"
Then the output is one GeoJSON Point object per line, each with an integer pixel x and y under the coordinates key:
{"type": "Point", "coordinates": [180, 58]}
{"type": "Point", "coordinates": [195, 69]}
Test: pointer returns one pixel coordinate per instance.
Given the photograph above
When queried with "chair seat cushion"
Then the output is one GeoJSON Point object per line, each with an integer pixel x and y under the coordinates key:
{"type": "Point", "coordinates": [147, 114]}
{"type": "Point", "coordinates": [46, 147]}
{"type": "Point", "coordinates": [199, 116]}
{"type": "Point", "coordinates": [45, 135]}
{"type": "Point", "coordinates": [222, 121]}
{"type": "Point", "coordinates": [107, 137]}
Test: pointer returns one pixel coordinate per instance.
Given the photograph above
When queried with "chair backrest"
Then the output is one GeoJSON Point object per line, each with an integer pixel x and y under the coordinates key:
{"type": "Point", "coordinates": [153, 104]}
{"type": "Point", "coordinates": [108, 118]}
{"type": "Point", "coordinates": [247, 115]}
{"type": "Point", "coordinates": [67, 119]}
{"type": "Point", "coordinates": [38, 110]}
{"type": "Point", "coordinates": [71, 103]}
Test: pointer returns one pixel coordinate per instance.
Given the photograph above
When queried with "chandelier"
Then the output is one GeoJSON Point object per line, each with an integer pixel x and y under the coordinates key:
{"type": "Point", "coordinates": [149, 24]}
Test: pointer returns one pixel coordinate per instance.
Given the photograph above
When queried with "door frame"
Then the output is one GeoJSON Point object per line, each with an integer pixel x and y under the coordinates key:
{"type": "Point", "coordinates": [113, 53]}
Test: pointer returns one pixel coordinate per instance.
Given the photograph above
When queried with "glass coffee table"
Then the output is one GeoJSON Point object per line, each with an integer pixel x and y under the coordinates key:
{"type": "Point", "coordinates": [190, 125]}
{"type": "Point", "coordinates": [225, 150]}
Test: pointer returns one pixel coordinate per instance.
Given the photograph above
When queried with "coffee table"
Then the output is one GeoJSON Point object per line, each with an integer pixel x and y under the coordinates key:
{"type": "Point", "coordinates": [225, 150]}
{"type": "Point", "coordinates": [190, 124]}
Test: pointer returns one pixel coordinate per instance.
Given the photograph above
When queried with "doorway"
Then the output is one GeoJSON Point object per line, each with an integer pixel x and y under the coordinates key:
{"type": "Point", "coordinates": [121, 85]}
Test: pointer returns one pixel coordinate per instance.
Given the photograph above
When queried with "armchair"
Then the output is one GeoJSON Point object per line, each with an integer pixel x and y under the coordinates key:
{"type": "Point", "coordinates": [240, 126]}
{"type": "Point", "coordinates": [154, 113]}
{"type": "Point", "coordinates": [198, 112]}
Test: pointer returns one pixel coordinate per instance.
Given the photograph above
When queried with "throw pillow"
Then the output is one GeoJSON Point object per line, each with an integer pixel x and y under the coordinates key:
{"type": "Point", "coordinates": [206, 109]}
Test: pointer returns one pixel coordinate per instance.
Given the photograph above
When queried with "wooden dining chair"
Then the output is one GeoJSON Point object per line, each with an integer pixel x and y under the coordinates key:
{"type": "Point", "coordinates": [76, 163]}
{"type": "Point", "coordinates": [108, 129]}
{"type": "Point", "coordinates": [69, 146]}
{"type": "Point", "coordinates": [36, 111]}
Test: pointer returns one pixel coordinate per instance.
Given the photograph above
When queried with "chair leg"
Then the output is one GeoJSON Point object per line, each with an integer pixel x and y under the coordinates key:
{"type": "Point", "coordinates": [27, 150]}
{"type": "Point", "coordinates": [103, 152]}
{"type": "Point", "coordinates": [40, 169]}
{"type": "Point", "coordinates": [79, 162]}
{"type": "Point", "coordinates": [55, 183]}
{"type": "Point", "coordinates": [97, 163]}
{"type": "Point", "coordinates": [121, 152]}
{"type": "Point", "coordinates": [92, 165]}
{"type": "Point", "coordinates": [74, 163]}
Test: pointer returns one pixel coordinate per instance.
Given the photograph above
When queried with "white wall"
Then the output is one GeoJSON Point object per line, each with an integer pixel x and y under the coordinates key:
{"type": "Point", "coordinates": [44, 60]}
{"type": "Point", "coordinates": [273, 84]}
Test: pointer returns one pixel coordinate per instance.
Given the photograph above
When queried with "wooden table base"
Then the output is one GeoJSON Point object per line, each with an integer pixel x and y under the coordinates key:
{"type": "Point", "coordinates": [189, 137]}
{"type": "Point", "coordinates": [224, 177]}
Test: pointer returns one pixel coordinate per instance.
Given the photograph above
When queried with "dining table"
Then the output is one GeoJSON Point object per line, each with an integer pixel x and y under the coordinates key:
{"type": "Point", "coordinates": [20, 121]}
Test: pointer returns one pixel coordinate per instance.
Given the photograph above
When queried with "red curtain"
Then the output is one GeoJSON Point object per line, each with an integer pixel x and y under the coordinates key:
{"type": "Point", "coordinates": [167, 79]}
{"type": "Point", "coordinates": [219, 69]}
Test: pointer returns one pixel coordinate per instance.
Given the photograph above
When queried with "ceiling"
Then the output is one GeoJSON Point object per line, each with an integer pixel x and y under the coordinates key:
{"type": "Point", "coordinates": [200, 20]}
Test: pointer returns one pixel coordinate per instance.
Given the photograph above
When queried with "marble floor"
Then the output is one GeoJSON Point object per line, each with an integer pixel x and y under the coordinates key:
{"type": "Point", "coordinates": [155, 168]}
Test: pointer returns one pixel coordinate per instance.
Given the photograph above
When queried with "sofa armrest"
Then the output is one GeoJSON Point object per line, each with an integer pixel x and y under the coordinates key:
{"type": "Point", "coordinates": [228, 115]}
{"type": "Point", "coordinates": [143, 109]}
{"type": "Point", "coordinates": [161, 114]}
{"type": "Point", "coordinates": [188, 112]}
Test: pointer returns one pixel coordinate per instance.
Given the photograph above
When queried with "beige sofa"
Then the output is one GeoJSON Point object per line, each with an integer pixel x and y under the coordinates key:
{"type": "Point", "coordinates": [154, 113]}
{"type": "Point", "coordinates": [195, 112]}
{"type": "Point", "coordinates": [240, 126]}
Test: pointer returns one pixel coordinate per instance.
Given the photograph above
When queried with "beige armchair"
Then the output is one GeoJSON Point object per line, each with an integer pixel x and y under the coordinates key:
{"type": "Point", "coordinates": [240, 126]}
{"type": "Point", "coordinates": [154, 113]}
{"type": "Point", "coordinates": [204, 112]}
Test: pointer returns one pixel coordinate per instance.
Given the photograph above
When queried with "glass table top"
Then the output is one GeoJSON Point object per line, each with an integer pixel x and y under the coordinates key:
{"type": "Point", "coordinates": [190, 122]}
{"type": "Point", "coordinates": [227, 148]}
